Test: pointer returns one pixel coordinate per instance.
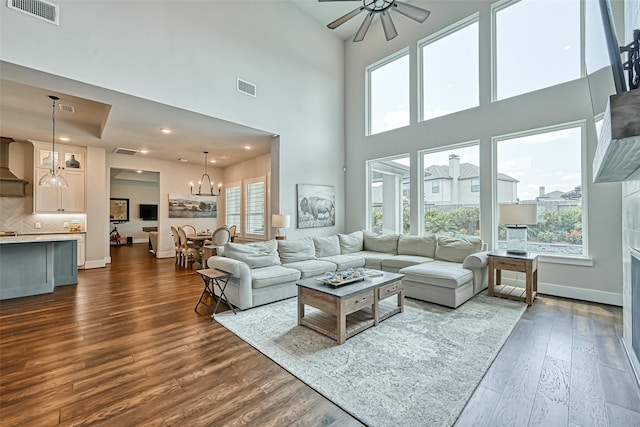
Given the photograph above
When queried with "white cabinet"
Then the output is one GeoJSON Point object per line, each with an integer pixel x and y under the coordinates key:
{"type": "Point", "coordinates": [69, 162]}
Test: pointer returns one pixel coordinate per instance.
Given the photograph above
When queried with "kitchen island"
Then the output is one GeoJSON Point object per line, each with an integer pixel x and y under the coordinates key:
{"type": "Point", "coordinates": [32, 265]}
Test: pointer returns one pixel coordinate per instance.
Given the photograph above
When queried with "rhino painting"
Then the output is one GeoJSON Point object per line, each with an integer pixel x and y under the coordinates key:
{"type": "Point", "coordinates": [316, 206]}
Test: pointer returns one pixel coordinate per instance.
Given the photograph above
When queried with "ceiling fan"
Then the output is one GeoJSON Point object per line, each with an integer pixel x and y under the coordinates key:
{"type": "Point", "coordinates": [382, 8]}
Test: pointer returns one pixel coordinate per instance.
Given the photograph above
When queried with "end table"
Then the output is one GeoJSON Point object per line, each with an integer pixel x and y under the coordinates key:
{"type": "Point", "coordinates": [526, 263]}
{"type": "Point", "coordinates": [214, 277]}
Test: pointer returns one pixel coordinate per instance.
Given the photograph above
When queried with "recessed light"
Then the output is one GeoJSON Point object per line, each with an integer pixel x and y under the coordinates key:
{"type": "Point", "coordinates": [63, 138]}
{"type": "Point", "coordinates": [182, 160]}
{"type": "Point", "coordinates": [143, 151]}
{"type": "Point", "coordinates": [138, 171]}
{"type": "Point", "coordinates": [166, 130]}
{"type": "Point", "coordinates": [247, 147]}
{"type": "Point", "coordinates": [212, 161]}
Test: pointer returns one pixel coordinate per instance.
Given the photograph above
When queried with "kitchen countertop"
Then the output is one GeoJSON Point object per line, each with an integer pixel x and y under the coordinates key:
{"type": "Point", "coordinates": [41, 238]}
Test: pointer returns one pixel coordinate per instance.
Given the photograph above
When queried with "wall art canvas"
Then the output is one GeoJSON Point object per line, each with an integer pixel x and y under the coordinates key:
{"type": "Point", "coordinates": [316, 206]}
{"type": "Point", "coordinates": [189, 206]}
{"type": "Point", "coordinates": [118, 210]}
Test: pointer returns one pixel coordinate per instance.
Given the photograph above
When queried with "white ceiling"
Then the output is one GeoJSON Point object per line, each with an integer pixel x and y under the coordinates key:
{"type": "Point", "coordinates": [25, 112]}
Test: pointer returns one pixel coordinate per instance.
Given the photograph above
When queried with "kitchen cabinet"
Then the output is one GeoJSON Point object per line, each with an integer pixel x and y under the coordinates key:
{"type": "Point", "coordinates": [70, 162]}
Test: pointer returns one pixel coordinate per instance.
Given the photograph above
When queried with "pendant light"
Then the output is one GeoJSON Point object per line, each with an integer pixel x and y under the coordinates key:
{"type": "Point", "coordinates": [205, 175]}
{"type": "Point", "coordinates": [53, 179]}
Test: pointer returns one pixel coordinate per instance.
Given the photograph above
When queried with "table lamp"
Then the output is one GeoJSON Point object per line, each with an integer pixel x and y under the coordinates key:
{"type": "Point", "coordinates": [280, 223]}
{"type": "Point", "coordinates": [516, 217]}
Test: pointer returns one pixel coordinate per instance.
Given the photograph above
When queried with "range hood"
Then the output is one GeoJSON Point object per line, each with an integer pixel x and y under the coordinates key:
{"type": "Point", "coordinates": [618, 152]}
{"type": "Point", "coordinates": [10, 185]}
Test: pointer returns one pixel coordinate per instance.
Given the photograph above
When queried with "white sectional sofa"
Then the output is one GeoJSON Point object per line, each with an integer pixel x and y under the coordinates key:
{"type": "Point", "coordinates": [443, 270]}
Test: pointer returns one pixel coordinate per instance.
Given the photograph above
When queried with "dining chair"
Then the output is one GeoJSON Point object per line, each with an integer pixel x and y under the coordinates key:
{"type": "Point", "coordinates": [220, 236]}
{"type": "Point", "coordinates": [187, 250]}
{"type": "Point", "coordinates": [232, 233]}
{"type": "Point", "coordinates": [176, 245]}
{"type": "Point", "coordinates": [190, 230]}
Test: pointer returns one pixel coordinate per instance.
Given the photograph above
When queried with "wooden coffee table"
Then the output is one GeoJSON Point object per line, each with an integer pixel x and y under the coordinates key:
{"type": "Point", "coordinates": [349, 309]}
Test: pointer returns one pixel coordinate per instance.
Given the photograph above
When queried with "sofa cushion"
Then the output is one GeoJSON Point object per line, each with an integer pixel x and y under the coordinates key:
{"type": "Point", "coordinates": [327, 246]}
{"type": "Point", "coordinates": [456, 250]}
{"type": "Point", "coordinates": [401, 261]}
{"type": "Point", "coordinates": [273, 275]}
{"type": "Point", "coordinates": [387, 243]}
{"type": "Point", "coordinates": [418, 245]}
{"type": "Point", "coordinates": [255, 255]}
{"type": "Point", "coordinates": [296, 250]}
{"type": "Point", "coordinates": [343, 262]}
{"type": "Point", "coordinates": [438, 274]}
{"type": "Point", "coordinates": [312, 267]}
{"type": "Point", "coordinates": [350, 243]}
{"type": "Point", "coordinates": [373, 259]}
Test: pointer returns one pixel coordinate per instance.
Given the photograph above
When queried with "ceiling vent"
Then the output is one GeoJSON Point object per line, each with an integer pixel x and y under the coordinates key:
{"type": "Point", "coordinates": [246, 87]}
{"type": "Point", "coordinates": [37, 8]}
{"type": "Point", "coordinates": [67, 108]}
{"type": "Point", "coordinates": [127, 151]}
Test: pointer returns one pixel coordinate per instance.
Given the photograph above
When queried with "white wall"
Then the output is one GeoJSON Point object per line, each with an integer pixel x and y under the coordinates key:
{"type": "Point", "coordinates": [564, 103]}
{"type": "Point", "coordinates": [138, 192]}
{"type": "Point", "coordinates": [188, 54]}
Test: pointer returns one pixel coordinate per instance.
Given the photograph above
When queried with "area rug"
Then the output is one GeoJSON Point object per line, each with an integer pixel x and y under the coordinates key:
{"type": "Point", "coordinates": [417, 368]}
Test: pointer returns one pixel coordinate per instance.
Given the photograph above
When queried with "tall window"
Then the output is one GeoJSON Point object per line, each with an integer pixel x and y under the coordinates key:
{"type": "Point", "coordinates": [455, 209]}
{"type": "Point", "coordinates": [450, 79]}
{"type": "Point", "coordinates": [233, 206]}
{"type": "Point", "coordinates": [388, 83]}
{"type": "Point", "coordinates": [537, 45]}
{"type": "Point", "coordinates": [255, 206]}
{"type": "Point", "coordinates": [547, 165]}
{"type": "Point", "coordinates": [389, 209]}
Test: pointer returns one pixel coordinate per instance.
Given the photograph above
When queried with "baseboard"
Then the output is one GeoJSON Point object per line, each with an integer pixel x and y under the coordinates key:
{"type": "Point", "coordinates": [166, 254]}
{"type": "Point", "coordinates": [96, 264]}
{"type": "Point", "coordinates": [591, 295]}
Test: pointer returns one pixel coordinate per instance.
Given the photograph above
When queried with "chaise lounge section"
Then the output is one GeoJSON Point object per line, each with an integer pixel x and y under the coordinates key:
{"type": "Point", "coordinates": [443, 270]}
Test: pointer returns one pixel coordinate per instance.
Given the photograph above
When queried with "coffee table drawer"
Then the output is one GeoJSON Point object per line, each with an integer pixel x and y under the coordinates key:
{"type": "Point", "coordinates": [359, 301]}
{"type": "Point", "coordinates": [390, 289]}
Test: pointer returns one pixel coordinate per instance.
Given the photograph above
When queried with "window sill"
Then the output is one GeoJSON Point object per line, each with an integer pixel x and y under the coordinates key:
{"type": "Point", "coordinates": [568, 260]}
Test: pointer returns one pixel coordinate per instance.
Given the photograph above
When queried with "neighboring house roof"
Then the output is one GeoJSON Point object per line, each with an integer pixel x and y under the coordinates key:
{"type": "Point", "coordinates": [467, 171]}
{"type": "Point", "coordinates": [554, 195]}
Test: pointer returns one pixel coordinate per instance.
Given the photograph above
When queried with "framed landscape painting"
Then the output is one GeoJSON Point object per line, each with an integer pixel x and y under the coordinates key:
{"type": "Point", "coordinates": [190, 206]}
{"type": "Point", "coordinates": [118, 210]}
{"type": "Point", "coordinates": [316, 206]}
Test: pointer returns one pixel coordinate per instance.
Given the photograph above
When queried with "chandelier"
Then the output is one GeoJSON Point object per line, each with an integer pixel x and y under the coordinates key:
{"type": "Point", "coordinates": [205, 176]}
{"type": "Point", "coordinates": [53, 179]}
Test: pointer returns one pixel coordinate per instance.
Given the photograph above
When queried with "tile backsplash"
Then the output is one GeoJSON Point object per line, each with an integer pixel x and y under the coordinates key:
{"type": "Point", "coordinates": [15, 215]}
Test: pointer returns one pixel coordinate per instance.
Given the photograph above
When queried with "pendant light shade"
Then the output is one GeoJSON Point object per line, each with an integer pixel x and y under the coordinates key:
{"type": "Point", "coordinates": [53, 179]}
{"type": "Point", "coordinates": [205, 177]}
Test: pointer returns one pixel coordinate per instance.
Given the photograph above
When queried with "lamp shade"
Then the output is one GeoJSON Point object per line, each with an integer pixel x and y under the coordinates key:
{"type": "Point", "coordinates": [280, 221]}
{"type": "Point", "coordinates": [516, 214]}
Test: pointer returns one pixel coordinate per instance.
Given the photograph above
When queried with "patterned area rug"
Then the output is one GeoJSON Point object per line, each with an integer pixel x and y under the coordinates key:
{"type": "Point", "coordinates": [417, 368]}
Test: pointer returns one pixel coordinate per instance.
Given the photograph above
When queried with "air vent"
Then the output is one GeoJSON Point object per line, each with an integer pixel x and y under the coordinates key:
{"type": "Point", "coordinates": [37, 8]}
{"type": "Point", "coordinates": [127, 151]}
{"type": "Point", "coordinates": [246, 87]}
{"type": "Point", "coordinates": [67, 108]}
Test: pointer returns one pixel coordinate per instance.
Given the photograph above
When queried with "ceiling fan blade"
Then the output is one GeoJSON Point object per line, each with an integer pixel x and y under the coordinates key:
{"type": "Point", "coordinates": [335, 24]}
{"type": "Point", "coordinates": [363, 28]}
{"type": "Point", "coordinates": [388, 27]}
{"type": "Point", "coordinates": [416, 13]}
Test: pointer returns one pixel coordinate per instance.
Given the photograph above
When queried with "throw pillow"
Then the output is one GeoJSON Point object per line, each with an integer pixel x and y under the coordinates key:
{"type": "Point", "coordinates": [418, 245]}
{"type": "Point", "coordinates": [456, 250]}
{"type": "Point", "coordinates": [327, 246]}
{"type": "Point", "coordinates": [296, 250]}
{"type": "Point", "coordinates": [350, 243]}
{"type": "Point", "coordinates": [255, 255]}
{"type": "Point", "coordinates": [387, 243]}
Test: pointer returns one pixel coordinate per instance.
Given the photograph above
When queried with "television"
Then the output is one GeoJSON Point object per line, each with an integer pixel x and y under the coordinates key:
{"type": "Point", "coordinates": [148, 212]}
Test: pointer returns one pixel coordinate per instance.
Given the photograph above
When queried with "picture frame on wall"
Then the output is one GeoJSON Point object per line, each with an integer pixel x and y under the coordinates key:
{"type": "Point", "coordinates": [192, 206]}
{"type": "Point", "coordinates": [316, 205]}
{"type": "Point", "coordinates": [118, 210]}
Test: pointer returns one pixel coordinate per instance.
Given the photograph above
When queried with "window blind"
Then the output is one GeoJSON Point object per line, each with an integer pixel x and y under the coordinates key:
{"type": "Point", "coordinates": [255, 205]}
{"type": "Point", "coordinates": [232, 210]}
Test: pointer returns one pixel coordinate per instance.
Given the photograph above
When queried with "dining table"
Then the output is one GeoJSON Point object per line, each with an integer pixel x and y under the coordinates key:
{"type": "Point", "coordinates": [199, 240]}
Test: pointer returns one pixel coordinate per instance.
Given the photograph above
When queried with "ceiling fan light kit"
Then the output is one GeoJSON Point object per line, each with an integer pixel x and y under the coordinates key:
{"type": "Point", "coordinates": [382, 8]}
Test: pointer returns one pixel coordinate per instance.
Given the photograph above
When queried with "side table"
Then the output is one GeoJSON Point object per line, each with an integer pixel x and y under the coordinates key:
{"type": "Point", "coordinates": [526, 263]}
{"type": "Point", "coordinates": [213, 277]}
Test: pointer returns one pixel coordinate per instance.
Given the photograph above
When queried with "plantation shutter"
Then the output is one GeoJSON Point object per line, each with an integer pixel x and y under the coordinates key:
{"type": "Point", "coordinates": [255, 206]}
{"type": "Point", "coordinates": [232, 208]}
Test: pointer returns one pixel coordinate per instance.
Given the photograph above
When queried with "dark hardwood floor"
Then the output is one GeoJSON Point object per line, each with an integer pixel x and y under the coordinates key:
{"type": "Point", "coordinates": [124, 347]}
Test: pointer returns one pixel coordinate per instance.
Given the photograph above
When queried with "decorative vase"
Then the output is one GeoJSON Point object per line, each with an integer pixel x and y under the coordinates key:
{"type": "Point", "coordinates": [73, 163]}
{"type": "Point", "coordinates": [48, 161]}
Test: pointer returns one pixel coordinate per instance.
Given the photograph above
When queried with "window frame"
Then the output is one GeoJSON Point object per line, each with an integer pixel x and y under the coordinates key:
{"type": "Point", "coordinates": [399, 190]}
{"type": "Point", "coordinates": [367, 81]}
{"type": "Point", "coordinates": [245, 214]}
{"type": "Point", "coordinates": [432, 38]}
{"type": "Point", "coordinates": [240, 224]}
{"type": "Point", "coordinates": [435, 186]}
{"type": "Point", "coordinates": [475, 188]}
{"type": "Point", "coordinates": [582, 124]}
